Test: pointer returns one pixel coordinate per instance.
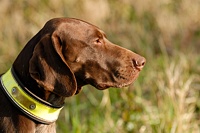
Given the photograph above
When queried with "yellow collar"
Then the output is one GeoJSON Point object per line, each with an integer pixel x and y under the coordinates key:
{"type": "Point", "coordinates": [30, 106]}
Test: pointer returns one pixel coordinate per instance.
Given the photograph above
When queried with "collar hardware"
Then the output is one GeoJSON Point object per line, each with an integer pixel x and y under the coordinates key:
{"type": "Point", "coordinates": [26, 103]}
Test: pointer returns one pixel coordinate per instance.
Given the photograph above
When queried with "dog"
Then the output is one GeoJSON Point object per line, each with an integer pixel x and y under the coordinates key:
{"type": "Point", "coordinates": [63, 56]}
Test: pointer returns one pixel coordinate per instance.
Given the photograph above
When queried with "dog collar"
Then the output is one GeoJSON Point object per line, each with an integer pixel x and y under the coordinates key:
{"type": "Point", "coordinates": [26, 103]}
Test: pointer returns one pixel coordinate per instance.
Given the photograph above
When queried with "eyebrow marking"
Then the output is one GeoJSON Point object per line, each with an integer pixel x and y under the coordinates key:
{"type": "Point", "coordinates": [103, 33]}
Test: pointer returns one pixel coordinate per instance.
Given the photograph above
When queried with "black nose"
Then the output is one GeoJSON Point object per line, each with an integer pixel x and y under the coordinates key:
{"type": "Point", "coordinates": [139, 62]}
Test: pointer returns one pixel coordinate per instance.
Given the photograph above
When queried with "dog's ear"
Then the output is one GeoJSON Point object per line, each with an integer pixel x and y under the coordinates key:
{"type": "Point", "coordinates": [49, 68]}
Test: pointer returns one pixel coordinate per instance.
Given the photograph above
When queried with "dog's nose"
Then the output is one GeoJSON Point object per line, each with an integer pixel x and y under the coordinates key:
{"type": "Point", "coordinates": [139, 62]}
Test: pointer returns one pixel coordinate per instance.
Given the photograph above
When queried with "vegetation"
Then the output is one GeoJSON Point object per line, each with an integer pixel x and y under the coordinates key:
{"type": "Point", "coordinates": [166, 96]}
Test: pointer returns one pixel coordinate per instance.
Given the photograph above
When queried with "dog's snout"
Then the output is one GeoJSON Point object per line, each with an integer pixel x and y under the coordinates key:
{"type": "Point", "coordinates": [139, 62]}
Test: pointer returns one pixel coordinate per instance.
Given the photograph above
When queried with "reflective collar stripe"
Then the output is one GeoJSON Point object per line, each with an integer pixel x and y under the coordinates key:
{"type": "Point", "coordinates": [30, 106]}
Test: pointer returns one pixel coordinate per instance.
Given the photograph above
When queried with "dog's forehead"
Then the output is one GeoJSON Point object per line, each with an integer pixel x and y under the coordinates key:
{"type": "Point", "coordinates": [78, 28]}
{"type": "Point", "coordinates": [81, 22]}
{"type": "Point", "coordinates": [82, 25]}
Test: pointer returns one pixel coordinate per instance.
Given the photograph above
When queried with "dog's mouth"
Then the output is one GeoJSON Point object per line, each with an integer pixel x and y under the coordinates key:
{"type": "Point", "coordinates": [119, 84]}
{"type": "Point", "coordinates": [118, 81]}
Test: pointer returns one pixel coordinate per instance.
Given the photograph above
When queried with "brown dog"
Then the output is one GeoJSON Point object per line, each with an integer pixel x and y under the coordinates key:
{"type": "Point", "coordinates": [63, 56]}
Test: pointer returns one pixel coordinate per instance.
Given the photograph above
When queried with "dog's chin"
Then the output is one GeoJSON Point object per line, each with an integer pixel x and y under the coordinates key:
{"type": "Point", "coordinates": [106, 86]}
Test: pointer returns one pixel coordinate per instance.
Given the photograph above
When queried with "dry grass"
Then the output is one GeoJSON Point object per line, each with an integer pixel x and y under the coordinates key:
{"type": "Point", "coordinates": [164, 99]}
{"type": "Point", "coordinates": [178, 98]}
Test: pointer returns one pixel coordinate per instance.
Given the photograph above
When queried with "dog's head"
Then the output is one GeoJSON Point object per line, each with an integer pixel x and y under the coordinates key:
{"type": "Point", "coordinates": [72, 53]}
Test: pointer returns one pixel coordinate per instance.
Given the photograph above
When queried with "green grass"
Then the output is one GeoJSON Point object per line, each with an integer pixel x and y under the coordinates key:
{"type": "Point", "coordinates": [166, 96]}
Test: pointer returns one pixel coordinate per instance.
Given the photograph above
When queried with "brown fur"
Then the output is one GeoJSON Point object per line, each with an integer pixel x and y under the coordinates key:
{"type": "Point", "coordinates": [63, 56]}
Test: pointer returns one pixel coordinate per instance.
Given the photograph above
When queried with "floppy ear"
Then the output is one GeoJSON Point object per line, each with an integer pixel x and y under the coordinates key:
{"type": "Point", "coordinates": [49, 68]}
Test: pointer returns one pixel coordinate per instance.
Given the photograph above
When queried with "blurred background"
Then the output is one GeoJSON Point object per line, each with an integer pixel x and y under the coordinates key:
{"type": "Point", "coordinates": [166, 96]}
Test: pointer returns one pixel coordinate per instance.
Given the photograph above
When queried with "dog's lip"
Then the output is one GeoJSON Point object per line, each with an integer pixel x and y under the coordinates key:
{"type": "Point", "coordinates": [118, 84]}
{"type": "Point", "coordinates": [102, 86]}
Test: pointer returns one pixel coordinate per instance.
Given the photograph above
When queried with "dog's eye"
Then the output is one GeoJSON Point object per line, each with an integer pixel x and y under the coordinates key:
{"type": "Point", "coordinates": [98, 41]}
